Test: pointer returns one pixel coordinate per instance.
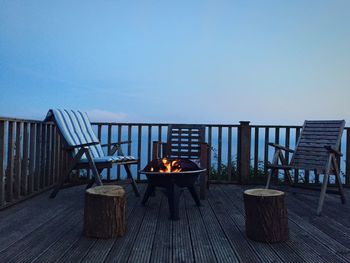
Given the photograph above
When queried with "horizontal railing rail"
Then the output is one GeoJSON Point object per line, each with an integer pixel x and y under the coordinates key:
{"type": "Point", "coordinates": [31, 159]}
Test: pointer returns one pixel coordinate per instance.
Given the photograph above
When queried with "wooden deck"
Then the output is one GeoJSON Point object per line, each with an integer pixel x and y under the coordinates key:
{"type": "Point", "coordinates": [46, 230]}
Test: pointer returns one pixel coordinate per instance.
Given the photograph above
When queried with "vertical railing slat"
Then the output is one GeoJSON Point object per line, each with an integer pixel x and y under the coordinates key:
{"type": "Point", "coordinates": [43, 156]}
{"type": "Point", "coordinates": [219, 149]}
{"type": "Point", "coordinates": [119, 140]}
{"type": "Point", "coordinates": [266, 149]}
{"type": "Point", "coordinates": [58, 170]}
{"type": "Point", "coordinates": [10, 162]}
{"type": "Point", "coordinates": [2, 166]}
{"type": "Point", "coordinates": [139, 148]}
{"type": "Point", "coordinates": [48, 154]}
{"type": "Point", "coordinates": [109, 141]}
{"type": "Point", "coordinates": [17, 165]}
{"type": "Point", "coordinates": [129, 138]}
{"type": "Point", "coordinates": [229, 153]}
{"type": "Point", "coordinates": [53, 154]}
{"type": "Point", "coordinates": [287, 142]}
{"type": "Point", "coordinates": [149, 143]}
{"type": "Point", "coordinates": [32, 144]}
{"type": "Point", "coordinates": [99, 132]}
{"type": "Point", "coordinates": [296, 171]}
{"type": "Point", "coordinates": [24, 173]}
{"type": "Point", "coordinates": [347, 168]}
{"type": "Point", "coordinates": [256, 151]}
{"type": "Point", "coordinates": [210, 142]}
{"type": "Point", "coordinates": [37, 157]}
{"type": "Point", "coordinates": [159, 138]}
{"type": "Point", "coordinates": [277, 141]}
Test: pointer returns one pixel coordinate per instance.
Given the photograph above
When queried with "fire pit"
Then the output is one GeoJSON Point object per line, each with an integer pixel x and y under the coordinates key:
{"type": "Point", "coordinates": [173, 175]}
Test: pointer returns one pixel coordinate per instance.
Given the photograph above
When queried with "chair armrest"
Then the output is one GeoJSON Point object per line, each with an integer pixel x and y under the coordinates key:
{"type": "Point", "coordinates": [332, 150]}
{"type": "Point", "coordinates": [115, 143]}
{"type": "Point", "coordinates": [280, 147]}
{"type": "Point", "coordinates": [80, 145]}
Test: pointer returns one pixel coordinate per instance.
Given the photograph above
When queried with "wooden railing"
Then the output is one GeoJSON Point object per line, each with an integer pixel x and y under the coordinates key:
{"type": "Point", "coordinates": [31, 159]}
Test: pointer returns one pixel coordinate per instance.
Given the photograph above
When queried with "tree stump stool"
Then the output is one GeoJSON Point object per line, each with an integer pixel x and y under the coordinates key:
{"type": "Point", "coordinates": [266, 215]}
{"type": "Point", "coordinates": [104, 214]}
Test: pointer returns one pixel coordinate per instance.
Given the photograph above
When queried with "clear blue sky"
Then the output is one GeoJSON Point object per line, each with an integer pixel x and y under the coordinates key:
{"type": "Point", "coordinates": [177, 61]}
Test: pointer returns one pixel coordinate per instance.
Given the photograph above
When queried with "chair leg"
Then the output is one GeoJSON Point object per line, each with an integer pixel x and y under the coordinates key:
{"type": "Point", "coordinates": [272, 170]}
{"type": "Point", "coordinates": [269, 178]}
{"type": "Point", "coordinates": [323, 193]}
{"type": "Point", "coordinates": [337, 179]}
{"type": "Point", "coordinates": [133, 183]}
{"type": "Point", "coordinates": [93, 166]}
{"type": "Point", "coordinates": [92, 180]}
{"type": "Point", "coordinates": [57, 188]}
{"type": "Point", "coordinates": [91, 183]}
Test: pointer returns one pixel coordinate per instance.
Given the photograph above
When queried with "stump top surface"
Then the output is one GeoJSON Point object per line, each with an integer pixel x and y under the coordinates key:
{"type": "Point", "coordinates": [263, 192]}
{"type": "Point", "coordinates": [107, 190]}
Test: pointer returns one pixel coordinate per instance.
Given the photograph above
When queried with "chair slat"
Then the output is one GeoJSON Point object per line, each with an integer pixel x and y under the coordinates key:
{"type": "Point", "coordinates": [310, 152]}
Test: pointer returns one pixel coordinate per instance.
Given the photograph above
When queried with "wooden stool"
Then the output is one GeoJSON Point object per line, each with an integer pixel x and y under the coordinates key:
{"type": "Point", "coordinates": [266, 215]}
{"type": "Point", "coordinates": [104, 214]}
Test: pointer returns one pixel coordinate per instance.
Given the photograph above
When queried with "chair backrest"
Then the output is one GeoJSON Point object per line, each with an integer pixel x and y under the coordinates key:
{"type": "Point", "coordinates": [184, 141]}
{"type": "Point", "coordinates": [310, 152]}
{"type": "Point", "coordinates": [76, 129]}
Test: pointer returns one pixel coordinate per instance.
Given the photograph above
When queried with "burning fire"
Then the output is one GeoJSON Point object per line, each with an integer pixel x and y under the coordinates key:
{"type": "Point", "coordinates": [169, 166]}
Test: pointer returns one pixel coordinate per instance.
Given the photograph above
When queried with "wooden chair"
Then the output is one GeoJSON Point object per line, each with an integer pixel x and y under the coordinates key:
{"type": "Point", "coordinates": [188, 142]}
{"type": "Point", "coordinates": [317, 150]}
{"type": "Point", "coordinates": [85, 149]}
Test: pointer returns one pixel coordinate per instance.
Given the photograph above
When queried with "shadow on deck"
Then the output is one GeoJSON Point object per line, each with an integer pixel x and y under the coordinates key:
{"type": "Point", "coordinates": [46, 230]}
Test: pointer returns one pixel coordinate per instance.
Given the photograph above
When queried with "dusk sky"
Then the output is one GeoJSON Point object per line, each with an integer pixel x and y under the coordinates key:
{"type": "Point", "coordinates": [270, 62]}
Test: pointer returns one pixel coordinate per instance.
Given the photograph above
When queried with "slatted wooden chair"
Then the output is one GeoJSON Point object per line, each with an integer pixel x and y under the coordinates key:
{"type": "Point", "coordinates": [317, 150]}
{"type": "Point", "coordinates": [188, 142]}
{"type": "Point", "coordinates": [85, 149]}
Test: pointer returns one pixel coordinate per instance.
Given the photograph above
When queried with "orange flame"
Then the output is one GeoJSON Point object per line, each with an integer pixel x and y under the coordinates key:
{"type": "Point", "coordinates": [170, 167]}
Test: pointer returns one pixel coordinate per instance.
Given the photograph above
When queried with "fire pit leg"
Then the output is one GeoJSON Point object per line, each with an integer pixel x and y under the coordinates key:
{"type": "Point", "coordinates": [194, 194]}
{"type": "Point", "coordinates": [150, 189]}
{"type": "Point", "coordinates": [173, 193]}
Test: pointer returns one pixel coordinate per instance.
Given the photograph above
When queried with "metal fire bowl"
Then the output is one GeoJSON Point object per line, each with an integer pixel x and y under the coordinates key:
{"type": "Point", "coordinates": [181, 179]}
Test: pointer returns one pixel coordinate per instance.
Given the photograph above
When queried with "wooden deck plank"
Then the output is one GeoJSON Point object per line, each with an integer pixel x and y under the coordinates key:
{"type": "Point", "coordinates": [237, 239]}
{"type": "Point", "coordinates": [331, 206]}
{"type": "Point", "coordinates": [316, 248]}
{"type": "Point", "coordinates": [181, 239]}
{"type": "Point", "coordinates": [202, 249]}
{"type": "Point", "coordinates": [28, 218]}
{"type": "Point", "coordinates": [78, 250]}
{"type": "Point", "coordinates": [307, 210]}
{"type": "Point", "coordinates": [219, 242]}
{"type": "Point", "coordinates": [57, 249]}
{"type": "Point", "coordinates": [50, 230]}
{"type": "Point", "coordinates": [142, 248]}
{"type": "Point", "coordinates": [294, 250]}
{"type": "Point", "coordinates": [99, 249]}
{"type": "Point", "coordinates": [162, 244]}
{"type": "Point", "coordinates": [265, 251]}
{"type": "Point", "coordinates": [333, 247]}
{"type": "Point", "coordinates": [283, 250]}
{"type": "Point", "coordinates": [121, 248]}
{"type": "Point", "coordinates": [24, 250]}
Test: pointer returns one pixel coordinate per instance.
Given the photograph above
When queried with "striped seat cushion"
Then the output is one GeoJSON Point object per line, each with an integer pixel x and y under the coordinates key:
{"type": "Point", "coordinates": [76, 129]}
{"type": "Point", "coordinates": [111, 159]}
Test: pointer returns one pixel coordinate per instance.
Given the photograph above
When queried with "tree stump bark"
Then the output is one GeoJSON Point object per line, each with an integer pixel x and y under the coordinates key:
{"type": "Point", "coordinates": [104, 214]}
{"type": "Point", "coordinates": [266, 215]}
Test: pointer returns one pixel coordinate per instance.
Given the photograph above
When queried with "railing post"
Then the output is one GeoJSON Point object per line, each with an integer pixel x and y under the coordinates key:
{"type": "Point", "coordinates": [243, 151]}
